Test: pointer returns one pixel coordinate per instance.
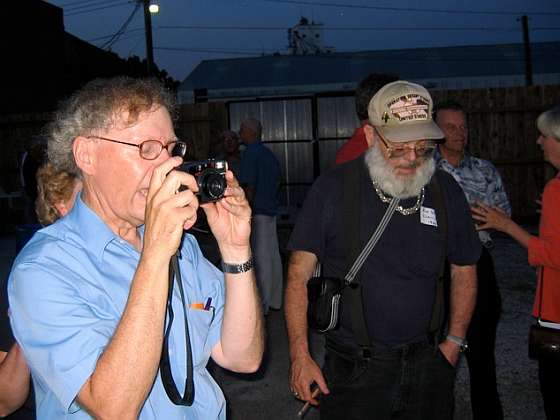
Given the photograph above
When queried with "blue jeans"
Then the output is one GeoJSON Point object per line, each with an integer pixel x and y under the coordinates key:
{"type": "Point", "coordinates": [412, 382]}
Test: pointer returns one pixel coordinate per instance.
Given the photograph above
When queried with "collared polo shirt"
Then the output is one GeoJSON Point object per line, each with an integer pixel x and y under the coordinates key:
{"type": "Point", "coordinates": [68, 289]}
{"type": "Point", "coordinates": [480, 181]}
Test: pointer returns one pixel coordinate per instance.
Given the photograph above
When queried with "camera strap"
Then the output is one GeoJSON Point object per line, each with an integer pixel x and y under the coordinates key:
{"type": "Point", "coordinates": [164, 364]}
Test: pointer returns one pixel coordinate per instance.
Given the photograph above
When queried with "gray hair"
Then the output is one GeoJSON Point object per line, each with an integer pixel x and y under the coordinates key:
{"type": "Point", "coordinates": [100, 105]}
{"type": "Point", "coordinates": [548, 123]}
{"type": "Point", "coordinates": [254, 125]}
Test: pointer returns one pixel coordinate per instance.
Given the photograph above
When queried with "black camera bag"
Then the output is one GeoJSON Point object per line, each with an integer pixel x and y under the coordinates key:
{"type": "Point", "coordinates": [323, 309]}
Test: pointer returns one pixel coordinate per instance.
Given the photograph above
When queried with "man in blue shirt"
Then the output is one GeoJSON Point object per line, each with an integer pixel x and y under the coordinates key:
{"type": "Point", "coordinates": [481, 182]}
{"type": "Point", "coordinates": [89, 293]}
{"type": "Point", "coordinates": [260, 177]}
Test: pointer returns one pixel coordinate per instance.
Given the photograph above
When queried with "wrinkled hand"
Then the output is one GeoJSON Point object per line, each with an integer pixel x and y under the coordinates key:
{"type": "Point", "coordinates": [230, 217]}
{"type": "Point", "coordinates": [488, 217]}
{"type": "Point", "coordinates": [451, 351]}
{"type": "Point", "coordinates": [303, 373]}
{"type": "Point", "coordinates": [168, 211]}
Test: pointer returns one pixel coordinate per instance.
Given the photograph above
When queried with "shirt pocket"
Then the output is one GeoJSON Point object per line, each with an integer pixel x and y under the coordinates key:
{"type": "Point", "coordinates": [200, 323]}
{"type": "Point", "coordinates": [423, 250]}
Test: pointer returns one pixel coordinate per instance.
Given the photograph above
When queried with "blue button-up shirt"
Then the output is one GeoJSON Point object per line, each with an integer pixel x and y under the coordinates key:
{"type": "Point", "coordinates": [68, 289]}
{"type": "Point", "coordinates": [480, 181]}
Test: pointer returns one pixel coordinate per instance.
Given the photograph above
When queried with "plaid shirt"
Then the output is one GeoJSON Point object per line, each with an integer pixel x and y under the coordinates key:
{"type": "Point", "coordinates": [480, 181]}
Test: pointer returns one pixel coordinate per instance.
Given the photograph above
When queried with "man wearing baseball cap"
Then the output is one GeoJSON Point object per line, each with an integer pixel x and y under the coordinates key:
{"type": "Point", "coordinates": [406, 366]}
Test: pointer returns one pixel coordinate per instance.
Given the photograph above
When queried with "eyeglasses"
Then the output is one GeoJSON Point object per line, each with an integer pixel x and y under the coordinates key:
{"type": "Point", "coordinates": [422, 150]}
{"type": "Point", "coordinates": [151, 149]}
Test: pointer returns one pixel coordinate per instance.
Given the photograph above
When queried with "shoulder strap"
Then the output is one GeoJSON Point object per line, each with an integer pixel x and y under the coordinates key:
{"type": "Point", "coordinates": [437, 320]}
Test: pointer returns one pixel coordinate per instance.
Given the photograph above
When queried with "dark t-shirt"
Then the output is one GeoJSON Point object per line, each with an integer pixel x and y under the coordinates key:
{"type": "Point", "coordinates": [400, 274]}
{"type": "Point", "coordinates": [27, 411]}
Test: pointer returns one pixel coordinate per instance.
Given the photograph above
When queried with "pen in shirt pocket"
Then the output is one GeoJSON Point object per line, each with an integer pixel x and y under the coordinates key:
{"type": "Point", "coordinates": [202, 306]}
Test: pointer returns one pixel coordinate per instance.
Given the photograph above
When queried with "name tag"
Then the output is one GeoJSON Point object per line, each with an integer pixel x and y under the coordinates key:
{"type": "Point", "coordinates": [428, 216]}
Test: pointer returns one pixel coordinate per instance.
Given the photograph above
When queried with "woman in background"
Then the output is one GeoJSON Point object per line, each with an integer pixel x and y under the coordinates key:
{"type": "Point", "coordinates": [543, 250]}
{"type": "Point", "coordinates": [56, 193]}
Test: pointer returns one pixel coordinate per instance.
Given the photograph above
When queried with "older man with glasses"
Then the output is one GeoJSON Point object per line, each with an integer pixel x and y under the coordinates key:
{"type": "Point", "coordinates": [394, 356]}
{"type": "Point", "coordinates": [115, 307]}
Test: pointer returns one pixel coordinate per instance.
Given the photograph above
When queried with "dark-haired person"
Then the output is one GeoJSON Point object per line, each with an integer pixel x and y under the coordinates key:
{"type": "Point", "coordinates": [543, 251]}
{"type": "Point", "coordinates": [357, 144]}
{"type": "Point", "coordinates": [482, 183]}
{"type": "Point", "coordinates": [92, 329]}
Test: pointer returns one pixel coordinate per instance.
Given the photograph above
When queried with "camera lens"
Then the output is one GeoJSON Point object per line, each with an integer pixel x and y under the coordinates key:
{"type": "Point", "coordinates": [214, 185]}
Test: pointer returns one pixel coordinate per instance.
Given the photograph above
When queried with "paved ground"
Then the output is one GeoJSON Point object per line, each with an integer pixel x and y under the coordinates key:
{"type": "Point", "coordinates": [265, 394]}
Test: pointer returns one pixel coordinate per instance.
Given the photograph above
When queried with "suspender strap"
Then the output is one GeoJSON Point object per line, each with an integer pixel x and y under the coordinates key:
{"type": "Point", "coordinates": [438, 310]}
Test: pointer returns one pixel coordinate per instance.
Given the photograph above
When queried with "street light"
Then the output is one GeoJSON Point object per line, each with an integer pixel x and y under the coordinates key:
{"type": "Point", "coordinates": [149, 8]}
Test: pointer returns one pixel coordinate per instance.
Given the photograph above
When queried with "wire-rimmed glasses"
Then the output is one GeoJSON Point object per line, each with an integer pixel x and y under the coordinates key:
{"type": "Point", "coordinates": [151, 149]}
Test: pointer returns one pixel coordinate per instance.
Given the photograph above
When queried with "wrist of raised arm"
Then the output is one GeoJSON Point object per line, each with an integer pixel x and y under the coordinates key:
{"type": "Point", "coordinates": [235, 254]}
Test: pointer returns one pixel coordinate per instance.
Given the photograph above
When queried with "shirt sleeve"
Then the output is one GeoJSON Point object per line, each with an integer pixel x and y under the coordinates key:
{"type": "Point", "coordinates": [309, 233]}
{"type": "Point", "coordinates": [543, 250]}
{"type": "Point", "coordinates": [463, 245]}
{"type": "Point", "coordinates": [59, 331]}
{"type": "Point", "coordinates": [496, 190]}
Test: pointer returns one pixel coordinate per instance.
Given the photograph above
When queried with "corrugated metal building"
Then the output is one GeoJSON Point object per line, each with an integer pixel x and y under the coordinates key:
{"type": "Point", "coordinates": [306, 102]}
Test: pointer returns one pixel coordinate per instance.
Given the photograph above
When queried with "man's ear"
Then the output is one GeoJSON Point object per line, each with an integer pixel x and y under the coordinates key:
{"type": "Point", "coordinates": [370, 134]}
{"type": "Point", "coordinates": [84, 154]}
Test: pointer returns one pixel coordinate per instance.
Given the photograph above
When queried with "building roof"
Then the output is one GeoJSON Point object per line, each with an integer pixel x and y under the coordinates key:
{"type": "Point", "coordinates": [335, 68]}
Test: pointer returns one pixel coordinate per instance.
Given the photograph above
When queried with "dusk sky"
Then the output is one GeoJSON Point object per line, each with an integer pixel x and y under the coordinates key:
{"type": "Point", "coordinates": [186, 32]}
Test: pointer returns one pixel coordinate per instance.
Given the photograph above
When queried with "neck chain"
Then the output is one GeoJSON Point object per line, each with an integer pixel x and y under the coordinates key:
{"type": "Point", "coordinates": [399, 208]}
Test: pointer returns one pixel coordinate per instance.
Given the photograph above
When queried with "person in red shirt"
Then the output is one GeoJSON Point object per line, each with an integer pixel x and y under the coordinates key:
{"type": "Point", "coordinates": [364, 92]}
{"type": "Point", "coordinates": [543, 250]}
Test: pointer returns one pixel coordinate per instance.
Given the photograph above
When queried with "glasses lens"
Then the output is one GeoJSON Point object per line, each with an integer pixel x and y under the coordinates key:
{"type": "Point", "coordinates": [425, 151]}
{"type": "Point", "coordinates": [419, 150]}
{"type": "Point", "coordinates": [177, 148]}
{"type": "Point", "coordinates": [150, 149]}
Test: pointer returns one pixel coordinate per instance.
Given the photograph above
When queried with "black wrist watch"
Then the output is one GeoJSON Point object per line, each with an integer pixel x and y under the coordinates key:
{"type": "Point", "coordinates": [238, 268]}
{"type": "Point", "coordinates": [461, 342]}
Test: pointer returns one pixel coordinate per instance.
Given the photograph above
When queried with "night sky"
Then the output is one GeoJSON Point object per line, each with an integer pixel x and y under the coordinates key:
{"type": "Point", "coordinates": [186, 32]}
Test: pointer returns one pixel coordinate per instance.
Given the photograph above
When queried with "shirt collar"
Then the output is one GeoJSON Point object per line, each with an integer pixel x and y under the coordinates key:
{"type": "Point", "coordinates": [466, 161]}
{"type": "Point", "coordinates": [90, 227]}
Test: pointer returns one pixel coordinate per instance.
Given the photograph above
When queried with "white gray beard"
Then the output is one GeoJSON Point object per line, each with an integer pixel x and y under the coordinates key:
{"type": "Point", "coordinates": [400, 187]}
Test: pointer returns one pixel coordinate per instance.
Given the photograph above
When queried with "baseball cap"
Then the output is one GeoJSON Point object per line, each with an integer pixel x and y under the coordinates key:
{"type": "Point", "coordinates": [402, 111]}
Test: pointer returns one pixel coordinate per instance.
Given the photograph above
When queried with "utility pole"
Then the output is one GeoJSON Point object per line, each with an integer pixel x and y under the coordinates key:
{"type": "Point", "coordinates": [148, 30]}
{"type": "Point", "coordinates": [527, 45]}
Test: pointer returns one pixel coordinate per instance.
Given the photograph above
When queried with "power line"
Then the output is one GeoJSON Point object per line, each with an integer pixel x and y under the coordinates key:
{"type": "Point", "coordinates": [122, 29]}
{"type": "Point", "coordinates": [339, 28]}
{"type": "Point", "coordinates": [412, 9]}
{"type": "Point", "coordinates": [72, 3]}
{"type": "Point", "coordinates": [90, 4]}
{"type": "Point", "coordinates": [97, 8]}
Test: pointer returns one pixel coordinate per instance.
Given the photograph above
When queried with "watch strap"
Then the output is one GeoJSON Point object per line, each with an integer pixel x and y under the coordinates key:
{"type": "Point", "coordinates": [461, 342]}
{"type": "Point", "coordinates": [238, 268]}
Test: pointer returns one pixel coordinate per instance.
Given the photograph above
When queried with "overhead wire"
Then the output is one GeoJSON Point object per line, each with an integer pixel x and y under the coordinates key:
{"type": "Point", "coordinates": [79, 12]}
{"type": "Point", "coordinates": [412, 9]}
{"type": "Point", "coordinates": [340, 28]}
{"type": "Point", "coordinates": [122, 29]}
